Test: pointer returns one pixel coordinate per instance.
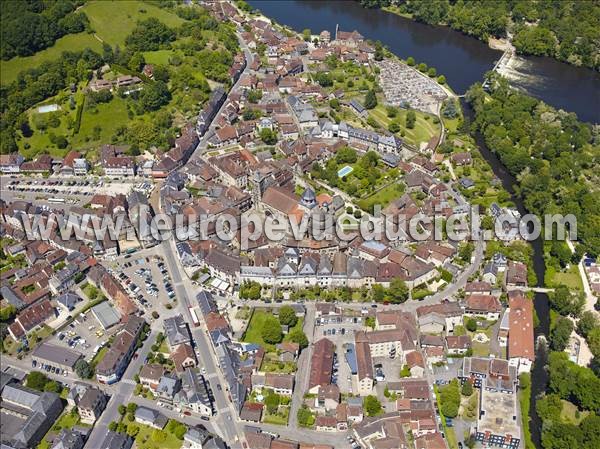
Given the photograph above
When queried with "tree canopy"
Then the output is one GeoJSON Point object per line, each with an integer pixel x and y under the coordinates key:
{"type": "Point", "coordinates": [149, 35]}
{"type": "Point", "coordinates": [287, 316]}
{"type": "Point", "coordinates": [552, 155]}
{"type": "Point", "coordinates": [28, 27]}
{"type": "Point", "coordinates": [372, 406]}
{"type": "Point", "coordinates": [271, 330]}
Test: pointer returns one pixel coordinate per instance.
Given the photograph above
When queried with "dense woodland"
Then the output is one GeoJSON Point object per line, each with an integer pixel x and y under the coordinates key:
{"type": "Point", "coordinates": [27, 27]}
{"type": "Point", "coordinates": [204, 50]}
{"type": "Point", "coordinates": [566, 30]}
{"type": "Point", "coordinates": [553, 155]}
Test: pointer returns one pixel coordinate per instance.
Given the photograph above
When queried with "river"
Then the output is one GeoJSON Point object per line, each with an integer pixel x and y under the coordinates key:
{"type": "Point", "coordinates": [539, 376]}
{"type": "Point", "coordinates": [463, 60]}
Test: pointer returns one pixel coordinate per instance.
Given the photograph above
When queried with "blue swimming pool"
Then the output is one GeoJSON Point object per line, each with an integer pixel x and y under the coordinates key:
{"type": "Point", "coordinates": [344, 171]}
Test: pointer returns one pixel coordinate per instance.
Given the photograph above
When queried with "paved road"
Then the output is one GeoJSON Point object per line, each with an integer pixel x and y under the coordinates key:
{"type": "Point", "coordinates": [230, 428]}
{"type": "Point", "coordinates": [303, 368]}
{"type": "Point", "coordinates": [203, 143]}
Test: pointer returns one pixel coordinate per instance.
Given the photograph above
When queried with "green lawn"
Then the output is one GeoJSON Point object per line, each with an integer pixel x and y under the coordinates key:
{"type": "Point", "coordinates": [451, 124]}
{"type": "Point", "coordinates": [164, 347]}
{"type": "Point", "coordinates": [66, 421]}
{"type": "Point", "coordinates": [569, 413]}
{"type": "Point", "coordinates": [40, 140]}
{"type": "Point", "coordinates": [71, 42]}
{"type": "Point", "coordinates": [383, 197]}
{"type": "Point", "coordinates": [108, 118]}
{"type": "Point", "coordinates": [90, 291]}
{"type": "Point", "coordinates": [144, 439]}
{"type": "Point", "coordinates": [99, 356]}
{"type": "Point", "coordinates": [280, 418]}
{"type": "Point", "coordinates": [113, 20]}
{"type": "Point", "coordinates": [253, 331]}
{"type": "Point", "coordinates": [424, 128]}
{"type": "Point", "coordinates": [299, 325]}
{"type": "Point", "coordinates": [571, 278]}
{"type": "Point", "coordinates": [160, 57]}
{"type": "Point", "coordinates": [98, 124]}
{"type": "Point", "coordinates": [272, 365]}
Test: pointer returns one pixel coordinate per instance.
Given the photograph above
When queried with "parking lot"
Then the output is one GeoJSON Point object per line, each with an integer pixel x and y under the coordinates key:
{"type": "Point", "coordinates": [65, 187]}
{"type": "Point", "coordinates": [147, 280]}
{"type": "Point", "coordinates": [84, 334]}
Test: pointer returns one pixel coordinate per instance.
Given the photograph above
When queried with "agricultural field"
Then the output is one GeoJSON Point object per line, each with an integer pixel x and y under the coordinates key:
{"type": "Point", "coordinates": [112, 20]}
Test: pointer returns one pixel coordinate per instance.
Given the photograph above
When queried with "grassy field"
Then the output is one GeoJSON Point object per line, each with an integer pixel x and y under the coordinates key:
{"type": "Point", "coordinates": [97, 127]}
{"type": "Point", "coordinates": [113, 21]}
{"type": "Point", "coordinates": [451, 124]}
{"type": "Point", "coordinates": [144, 440]}
{"type": "Point", "coordinates": [160, 57]}
{"type": "Point", "coordinates": [424, 128]}
{"type": "Point", "coordinates": [383, 197]}
{"type": "Point", "coordinates": [569, 413]}
{"type": "Point", "coordinates": [253, 331]}
{"type": "Point", "coordinates": [280, 418]}
{"type": "Point", "coordinates": [71, 42]}
{"type": "Point", "coordinates": [108, 118]}
{"type": "Point", "coordinates": [571, 278]}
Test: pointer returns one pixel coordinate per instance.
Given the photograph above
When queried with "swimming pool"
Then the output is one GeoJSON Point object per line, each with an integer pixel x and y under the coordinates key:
{"type": "Point", "coordinates": [345, 171]}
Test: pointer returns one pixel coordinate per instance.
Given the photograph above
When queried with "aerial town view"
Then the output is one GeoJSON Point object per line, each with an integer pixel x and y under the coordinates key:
{"type": "Point", "coordinates": [299, 224]}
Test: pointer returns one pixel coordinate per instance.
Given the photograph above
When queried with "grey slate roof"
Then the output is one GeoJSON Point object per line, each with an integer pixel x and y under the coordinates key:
{"type": "Point", "coordinates": [70, 439]}
{"type": "Point", "coordinates": [114, 440]}
{"type": "Point", "coordinates": [206, 302]}
{"type": "Point", "coordinates": [69, 300]}
{"type": "Point", "coordinates": [151, 415]}
{"type": "Point", "coordinates": [177, 331]}
{"type": "Point", "coordinates": [57, 354]}
{"type": "Point", "coordinates": [168, 385]}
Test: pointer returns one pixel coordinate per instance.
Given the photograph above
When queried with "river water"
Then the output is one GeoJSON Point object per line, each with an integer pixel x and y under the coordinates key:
{"type": "Point", "coordinates": [539, 376]}
{"type": "Point", "coordinates": [463, 60]}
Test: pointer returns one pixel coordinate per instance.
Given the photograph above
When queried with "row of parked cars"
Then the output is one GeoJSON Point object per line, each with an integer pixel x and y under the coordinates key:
{"type": "Point", "coordinates": [146, 274]}
{"type": "Point", "coordinates": [353, 442]}
{"type": "Point", "coordinates": [166, 279]}
{"type": "Point", "coordinates": [48, 368]}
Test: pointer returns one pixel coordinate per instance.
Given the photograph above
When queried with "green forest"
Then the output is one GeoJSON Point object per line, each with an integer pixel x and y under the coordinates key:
{"type": "Point", "coordinates": [30, 26]}
{"type": "Point", "coordinates": [553, 155]}
{"type": "Point", "coordinates": [565, 30]}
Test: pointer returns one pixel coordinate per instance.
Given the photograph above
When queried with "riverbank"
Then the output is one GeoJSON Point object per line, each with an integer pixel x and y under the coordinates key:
{"type": "Point", "coordinates": [463, 59]}
{"type": "Point", "coordinates": [539, 376]}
